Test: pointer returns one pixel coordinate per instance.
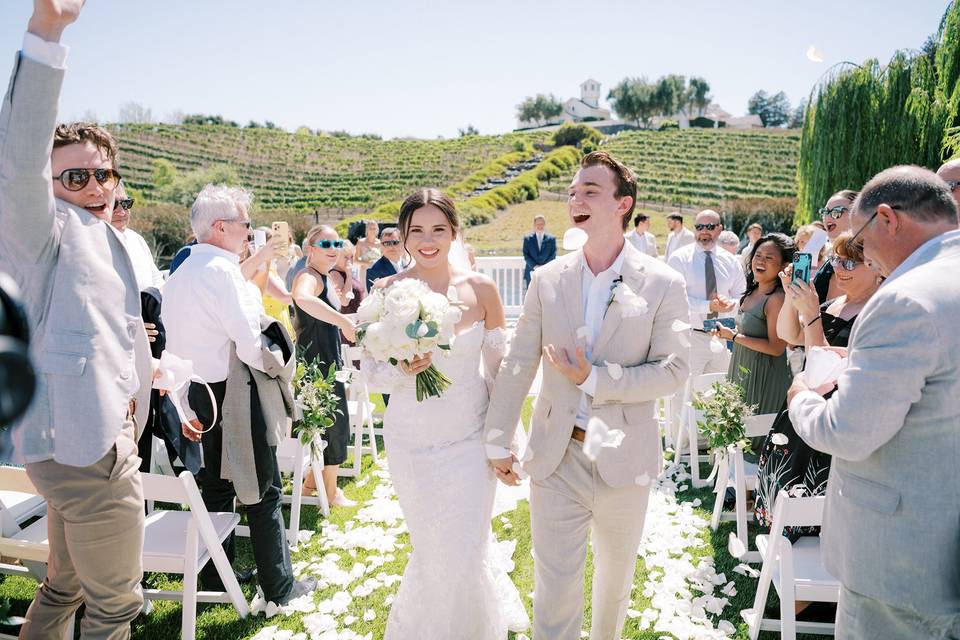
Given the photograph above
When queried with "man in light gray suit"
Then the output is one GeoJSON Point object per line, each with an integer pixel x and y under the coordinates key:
{"type": "Point", "coordinates": [891, 529]}
{"type": "Point", "coordinates": [89, 347]}
{"type": "Point", "coordinates": [603, 318]}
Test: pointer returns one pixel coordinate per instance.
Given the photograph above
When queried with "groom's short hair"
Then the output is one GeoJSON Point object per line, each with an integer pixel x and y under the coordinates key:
{"type": "Point", "coordinates": [623, 176]}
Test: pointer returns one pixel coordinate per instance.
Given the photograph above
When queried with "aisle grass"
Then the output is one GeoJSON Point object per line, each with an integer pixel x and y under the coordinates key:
{"type": "Point", "coordinates": [221, 621]}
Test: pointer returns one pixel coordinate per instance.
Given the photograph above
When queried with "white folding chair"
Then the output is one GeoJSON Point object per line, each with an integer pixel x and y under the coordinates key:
{"type": "Point", "coordinates": [795, 570]}
{"type": "Point", "coordinates": [360, 412]}
{"type": "Point", "coordinates": [183, 542]}
{"type": "Point", "coordinates": [24, 551]}
{"type": "Point", "coordinates": [734, 471]}
{"type": "Point", "coordinates": [688, 423]}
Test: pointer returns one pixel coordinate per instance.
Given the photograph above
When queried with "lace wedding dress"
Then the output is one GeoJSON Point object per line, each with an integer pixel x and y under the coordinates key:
{"type": "Point", "coordinates": [455, 585]}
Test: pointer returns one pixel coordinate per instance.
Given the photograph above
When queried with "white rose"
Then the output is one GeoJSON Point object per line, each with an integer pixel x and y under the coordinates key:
{"type": "Point", "coordinates": [434, 306]}
{"type": "Point", "coordinates": [370, 308]}
{"type": "Point", "coordinates": [377, 341]}
{"type": "Point", "coordinates": [404, 308]}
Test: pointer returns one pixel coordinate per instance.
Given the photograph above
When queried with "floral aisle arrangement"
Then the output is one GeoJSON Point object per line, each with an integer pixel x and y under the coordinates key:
{"type": "Point", "coordinates": [407, 320]}
{"type": "Point", "coordinates": [724, 412]}
{"type": "Point", "coordinates": [317, 399]}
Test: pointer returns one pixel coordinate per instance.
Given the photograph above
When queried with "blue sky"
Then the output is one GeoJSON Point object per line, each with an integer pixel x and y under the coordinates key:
{"type": "Point", "coordinates": [426, 69]}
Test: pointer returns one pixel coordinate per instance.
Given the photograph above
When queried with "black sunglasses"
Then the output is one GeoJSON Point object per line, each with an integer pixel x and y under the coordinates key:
{"type": "Point", "coordinates": [329, 244]}
{"type": "Point", "coordinates": [834, 212]}
{"type": "Point", "coordinates": [123, 203]}
{"type": "Point", "coordinates": [708, 227]}
{"type": "Point", "coordinates": [391, 243]}
{"type": "Point", "coordinates": [77, 179]}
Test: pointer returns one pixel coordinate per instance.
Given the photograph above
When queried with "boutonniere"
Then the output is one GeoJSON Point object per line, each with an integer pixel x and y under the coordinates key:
{"type": "Point", "coordinates": [622, 294]}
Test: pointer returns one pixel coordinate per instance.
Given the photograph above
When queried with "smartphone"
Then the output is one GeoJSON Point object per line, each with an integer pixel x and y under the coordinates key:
{"type": "Point", "coordinates": [281, 238]}
{"type": "Point", "coordinates": [802, 264]}
{"type": "Point", "coordinates": [259, 239]}
{"type": "Point", "coordinates": [711, 323]}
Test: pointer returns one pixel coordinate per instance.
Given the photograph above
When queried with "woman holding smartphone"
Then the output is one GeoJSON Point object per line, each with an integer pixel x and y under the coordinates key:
{"type": "Point", "coordinates": [318, 321]}
{"type": "Point", "coordinates": [759, 361]}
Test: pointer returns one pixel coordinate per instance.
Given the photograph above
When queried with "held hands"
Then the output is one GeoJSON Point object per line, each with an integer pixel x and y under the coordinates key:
{"type": "Point", "coordinates": [417, 365]}
{"type": "Point", "coordinates": [51, 17]}
{"type": "Point", "coordinates": [503, 468]}
{"type": "Point", "coordinates": [576, 370]}
{"type": "Point", "coordinates": [721, 304]}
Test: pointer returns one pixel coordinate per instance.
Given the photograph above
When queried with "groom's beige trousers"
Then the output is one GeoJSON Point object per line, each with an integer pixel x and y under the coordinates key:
{"type": "Point", "coordinates": [565, 508]}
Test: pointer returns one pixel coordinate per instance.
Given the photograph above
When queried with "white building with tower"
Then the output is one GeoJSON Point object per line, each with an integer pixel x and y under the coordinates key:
{"type": "Point", "coordinates": [586, 108]}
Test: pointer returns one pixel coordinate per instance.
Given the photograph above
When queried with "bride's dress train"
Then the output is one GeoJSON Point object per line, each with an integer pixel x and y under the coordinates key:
{"type": "Point", "coordinates": [456, 583]}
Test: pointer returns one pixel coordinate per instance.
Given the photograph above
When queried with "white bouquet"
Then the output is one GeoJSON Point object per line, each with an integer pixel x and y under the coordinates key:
{"type": "Point", "coordinates": [405, 320]}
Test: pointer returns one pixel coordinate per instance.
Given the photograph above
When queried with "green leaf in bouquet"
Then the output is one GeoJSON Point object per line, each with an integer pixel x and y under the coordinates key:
{"type": "Point", "coordinates": [393, 361]}
{"type": "Point", "coordinates": [444, 347]}
{"type": "Point", "coordinates": [412, 329]}
{"type": "Point", "coordinates": [432, 329]}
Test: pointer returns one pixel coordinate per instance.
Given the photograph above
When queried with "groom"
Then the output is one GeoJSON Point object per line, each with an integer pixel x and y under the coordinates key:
{"type": "Point", "coordinates": [608, 359]}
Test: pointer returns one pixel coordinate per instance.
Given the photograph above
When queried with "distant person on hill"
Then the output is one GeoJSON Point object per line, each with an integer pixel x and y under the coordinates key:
{"type": "Point", "coordinates": [949, 172]}
{"type": "Point", "coordinates": [641, 237]}
{"type": "Point", "coordinates": [368, 249]}
{"type": "Point", "coordinates": [144, 267]}
{"type": "Point", "coordinates": [392, 260]}
{"type": "Point", "coordinates": [679, 236]}
{"type": "Point", "coordinates": [539, 248]}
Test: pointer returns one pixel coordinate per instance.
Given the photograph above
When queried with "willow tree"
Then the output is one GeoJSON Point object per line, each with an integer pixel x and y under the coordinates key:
{"type": "Point", "coordinates": [864, 118]}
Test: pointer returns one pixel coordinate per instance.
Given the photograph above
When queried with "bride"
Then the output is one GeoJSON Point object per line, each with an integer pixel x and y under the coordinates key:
{"type": "Point", "coordinates": [455, 585]}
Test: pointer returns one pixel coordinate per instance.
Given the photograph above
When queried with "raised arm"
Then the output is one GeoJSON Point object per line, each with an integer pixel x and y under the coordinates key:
{"type": "Point", "coordinates": [307, 297]}
{"type": "Point", "coordinates": [27, 122]}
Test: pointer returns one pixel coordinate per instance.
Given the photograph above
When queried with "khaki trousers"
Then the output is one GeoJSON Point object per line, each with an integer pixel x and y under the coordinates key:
{"type": "Point", "coordinates": [564, 509]}
{"type": "Point", "coordinates": [95, 528]}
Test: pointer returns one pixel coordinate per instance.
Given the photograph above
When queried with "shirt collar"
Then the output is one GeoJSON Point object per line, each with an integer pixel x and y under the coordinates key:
{"type": "Point", "coordinates": [698, 248]}
{"type": "Point", "coordinates": [917, 254]}
{"type": "Point", "coordinates": [616, 267]}
{"type": "Point", "coordinates": [203, 247]}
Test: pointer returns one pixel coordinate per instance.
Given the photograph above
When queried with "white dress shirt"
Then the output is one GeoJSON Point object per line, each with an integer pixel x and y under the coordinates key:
{"type": "Point", "coordinates": [52, 54]}
{"type": "Point", "coordinates": [207, 304]}
{"type": "Point", "coordinates": [690, 262]}
{"type": "Point", "coordinates": [645, 242]}
{"type": "Point", "coordinates": [539, 235]}
{"type": "Point", "coordinates": [677, 240]}
{"type": "Point", "coordinates": [145, 269]}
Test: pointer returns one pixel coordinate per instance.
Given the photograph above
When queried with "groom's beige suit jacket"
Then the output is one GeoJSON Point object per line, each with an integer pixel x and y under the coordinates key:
{"type": "Point", "coordinates": [639, 337]}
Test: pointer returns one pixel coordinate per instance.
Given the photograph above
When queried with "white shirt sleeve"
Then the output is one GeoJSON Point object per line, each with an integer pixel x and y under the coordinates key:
{"type": "Point", "coordinates": [52, 54]}
{"type": "Point", "coordinates": [241, 319]}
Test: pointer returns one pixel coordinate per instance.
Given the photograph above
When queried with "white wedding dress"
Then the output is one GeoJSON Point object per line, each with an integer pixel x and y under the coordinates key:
{"type": "Point", "coordinates": [455, 585]}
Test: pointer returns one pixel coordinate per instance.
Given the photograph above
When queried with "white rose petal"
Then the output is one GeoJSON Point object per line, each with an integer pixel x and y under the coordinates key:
{"type": "Point", "coordinates": [716, 346]}
{"type": "Point", "coordinates": [369, 615]}
{"type": "Point", "coordinates": [599, 436]}
{"type": "Point", "coordinates": [574, 238]}
{"type": "Point", "coordinates": [779, 439]}
{"type": "Point", "coordinates": [614, 369]}
{"type": "Point", "coordinates": [642, 480]}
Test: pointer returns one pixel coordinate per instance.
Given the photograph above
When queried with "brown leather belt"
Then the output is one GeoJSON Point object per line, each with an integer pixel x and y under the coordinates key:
{"type": "Point", "coordinates": [131, 408]}
{"type": "Point", "coordinates": [578, 434]}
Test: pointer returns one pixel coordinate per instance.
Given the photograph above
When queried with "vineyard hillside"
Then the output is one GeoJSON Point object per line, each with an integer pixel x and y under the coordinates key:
{"type": "Point", "coordinates": [708, 166]}
{"type": "Point", "coordinates": [305, 171]}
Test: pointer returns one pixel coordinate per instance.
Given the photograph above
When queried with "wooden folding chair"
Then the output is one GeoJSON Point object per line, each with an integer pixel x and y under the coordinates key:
{"type": "Point", "coordinates": [795, 570]}
{"type": "Point", "coordinates": [734, 471]}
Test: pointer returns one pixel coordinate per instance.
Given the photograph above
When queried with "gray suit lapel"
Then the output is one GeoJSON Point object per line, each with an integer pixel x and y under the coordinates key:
{"type": "Point", "coordinates": [630, 274]}
{"type": "Point", "coordinates": [571, 293]}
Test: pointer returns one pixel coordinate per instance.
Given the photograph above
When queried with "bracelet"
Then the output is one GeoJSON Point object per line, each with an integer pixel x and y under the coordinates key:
{"type": "Point", "coordinates": [810, 324]}
{"type": "Point", "coordinates": [735, 336]}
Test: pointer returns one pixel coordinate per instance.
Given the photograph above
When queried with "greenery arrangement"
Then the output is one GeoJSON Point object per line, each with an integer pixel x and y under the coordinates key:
{"type": "Point", "coordinates": [865, 118]}
{"type": "Point", "coordinates": [724, 412]}
{"type": "Point", "coordinates": [315, 393]}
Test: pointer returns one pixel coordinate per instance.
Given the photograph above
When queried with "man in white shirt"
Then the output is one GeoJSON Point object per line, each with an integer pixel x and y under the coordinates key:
{"type": "Point", "coordinates": [679, 236]}
{"type": "Point", "coordinates": [641, 238]}
{"type": "Point", "coordinates": [715, 282]}
{"type": "Point", "coordinates": [148, 275]}
{"type": "Point", "coordinates": [209, 310]}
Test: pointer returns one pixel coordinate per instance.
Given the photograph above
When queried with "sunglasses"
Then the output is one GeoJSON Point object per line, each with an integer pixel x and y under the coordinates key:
{"type": "Point", "coordinates": [847, 264]}
{"type": "Point", "coordinates": [77, 179]}
{"type": "Point", "coordinates": [834, 212]}
{"type": "Point", "coordinates": [329, 244]}
{"type": "Point", "coordinates": [708, 227]}
{"type": "Point", "coordinates": [123, 203]}
{"type": "Point", "coordinates": [246, 223]}
{"type": "Point", "coordinates": [390, 243]}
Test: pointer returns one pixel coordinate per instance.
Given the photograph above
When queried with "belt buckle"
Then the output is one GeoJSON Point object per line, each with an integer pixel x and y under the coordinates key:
{"type": "Point", "coordinates": [578, 434]}
{"type": "Point", "coordinates": [132, 408]}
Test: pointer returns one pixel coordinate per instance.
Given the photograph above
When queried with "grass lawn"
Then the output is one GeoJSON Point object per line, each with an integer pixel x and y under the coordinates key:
{"type": "Point", "coordinates": [504, 235]}
{"type": "Point", "coordinates": [355, 553]}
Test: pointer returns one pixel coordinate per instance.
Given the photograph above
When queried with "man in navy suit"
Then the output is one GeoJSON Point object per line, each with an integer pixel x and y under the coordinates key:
{"type": "Point", "coordinates": [392, 259]}
{"type": "Point", "coordinates": [539, 248]}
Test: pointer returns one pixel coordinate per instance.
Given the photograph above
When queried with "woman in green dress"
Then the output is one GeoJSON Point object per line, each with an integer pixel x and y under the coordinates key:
{"type": "Point", "coordinates": [759, 363]}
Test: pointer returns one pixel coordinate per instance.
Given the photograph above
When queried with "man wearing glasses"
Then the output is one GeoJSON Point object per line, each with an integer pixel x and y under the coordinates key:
{"type": "Point", "coordinates": [78, 440]}
{"type": "Point", "coordinates": [949, 172]}
{"type": "Point", "coordinates": [148, 275]}
{"type": "Point", "coordinates": [892, 508]}
{"type": "Point", "coordinates": [391, 261]}
{"type": "Point", "coordinates": [210, 311]}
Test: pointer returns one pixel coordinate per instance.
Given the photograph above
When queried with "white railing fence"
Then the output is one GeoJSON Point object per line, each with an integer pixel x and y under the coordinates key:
{"type": "Point", "coordinates": [507, 272]}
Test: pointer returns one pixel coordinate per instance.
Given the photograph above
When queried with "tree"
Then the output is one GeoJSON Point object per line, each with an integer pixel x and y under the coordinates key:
{"type": "Point", "coordinates": [633, 99]}
{"type": "Point", "coordinates": [698, 94]}
{"type": "Point", "coordinates": [774, 111]}
{"type": "Point", "coordinates": [174, 117]}
{"type": "Point", "coordinates": [539, 109]}
{"type": "Point", "coordinates": [134, 113]}
{"type": "Point", "coordinates": [469, 131]}
{"type": "Point", "coordinates": [164, 173]}
{"type": "Point", "coordinates": [670, 94]}
{"type": "Point", "coordinates": [796, 120]}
